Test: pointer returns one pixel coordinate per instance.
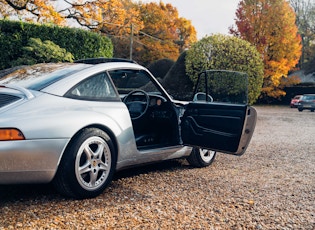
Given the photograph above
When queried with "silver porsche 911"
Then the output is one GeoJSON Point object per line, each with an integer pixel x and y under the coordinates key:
{"type": "Point", "coordinates": [75, 124]}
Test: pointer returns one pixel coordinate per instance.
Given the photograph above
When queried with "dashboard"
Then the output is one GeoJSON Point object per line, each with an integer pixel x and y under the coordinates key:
{"type": "Point", "coordinates": [155, 99]}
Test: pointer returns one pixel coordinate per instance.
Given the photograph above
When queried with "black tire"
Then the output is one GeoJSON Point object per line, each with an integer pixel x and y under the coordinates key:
{"type": "Point", "coordinates": [300, 110]}
{"type": "Point", "coordinates": [93, 149]}
{"type": "Point", "coordinates": [201, 157]}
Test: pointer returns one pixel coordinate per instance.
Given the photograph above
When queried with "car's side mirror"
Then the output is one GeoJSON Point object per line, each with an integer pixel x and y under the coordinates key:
{"type": "Point", "coordinates": [202, 97]}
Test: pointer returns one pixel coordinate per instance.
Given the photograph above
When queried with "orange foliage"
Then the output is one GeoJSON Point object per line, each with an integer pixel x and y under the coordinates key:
{"type": "Point", "coordinates": [169, 34]}
{"type": "Point", "coordinates": [156, 28]}
{"type": "Point", "coordinates": [32, 10]}
{"type": "Point", "coordinates": [270, 26]}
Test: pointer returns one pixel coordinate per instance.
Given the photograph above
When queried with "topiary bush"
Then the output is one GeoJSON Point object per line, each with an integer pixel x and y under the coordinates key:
{"type": "Point", "coordinates": [225, 52]}
{"type": "Point", "coordinates": [176, 82]}
{"type": "Point", "coordinates": [160, 67]}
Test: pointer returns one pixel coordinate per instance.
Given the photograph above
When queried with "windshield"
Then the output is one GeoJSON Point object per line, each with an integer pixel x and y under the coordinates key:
{"type": "Point", "coordinates": [128, 80]}
{"type": "Point", "coordinates": [39, 76]}
{"type": "Point", "coordinates": [308, 97]}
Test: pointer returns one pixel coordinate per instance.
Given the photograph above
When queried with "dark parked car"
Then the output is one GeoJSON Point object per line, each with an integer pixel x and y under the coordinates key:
{"type": "Point", "coordinates": [295, 101]}
{"type": "Point", "coordinates": [75, 124]}
{"type": "Point", "coordinates": [307, 101]}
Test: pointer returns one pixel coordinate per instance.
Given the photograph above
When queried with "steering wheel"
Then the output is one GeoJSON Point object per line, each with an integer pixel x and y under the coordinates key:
{"type": "Point", "coordinates": [137, 108]}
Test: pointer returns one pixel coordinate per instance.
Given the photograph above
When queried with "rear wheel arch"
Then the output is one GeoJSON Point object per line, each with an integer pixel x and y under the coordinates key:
{"type": "Point", "coordinates": [111, 135]}
{"type": "Point", "coordinates": [101, 127]}
{"type": "Point", "coordinates": [70, 185]}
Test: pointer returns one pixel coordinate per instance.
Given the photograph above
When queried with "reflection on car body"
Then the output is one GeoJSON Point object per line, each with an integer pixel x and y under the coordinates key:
{"type": "Point", "coordinates": [75, 124]}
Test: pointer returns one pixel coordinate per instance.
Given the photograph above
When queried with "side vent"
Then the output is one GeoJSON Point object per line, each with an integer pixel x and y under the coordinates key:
{"type": "Point", "coordinates": [6, 99]}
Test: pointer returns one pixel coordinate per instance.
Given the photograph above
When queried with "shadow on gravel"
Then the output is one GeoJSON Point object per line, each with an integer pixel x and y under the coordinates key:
{"type": "Point", "coordinates": [26, 192]}
{"type": "Point", "coordinates": [170, 165]}
{"type": "Point", "coordinates": [46, 192]}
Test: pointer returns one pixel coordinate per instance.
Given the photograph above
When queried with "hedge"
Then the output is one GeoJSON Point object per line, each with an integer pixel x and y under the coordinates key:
{"type": "Point", "coordinates": [81, 43]}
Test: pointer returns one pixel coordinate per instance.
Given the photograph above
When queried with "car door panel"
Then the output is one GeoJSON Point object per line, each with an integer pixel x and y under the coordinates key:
{"type": "Point", "coordinates": [218, 126]}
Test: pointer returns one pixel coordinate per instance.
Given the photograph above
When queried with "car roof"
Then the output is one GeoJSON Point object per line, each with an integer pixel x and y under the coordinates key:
{"type": "Point", "coordinates": [60, 87]}
{"type": "Point", "coordinates": [102, 60]}
{"type": "Point", "coordinates": [80, 70]}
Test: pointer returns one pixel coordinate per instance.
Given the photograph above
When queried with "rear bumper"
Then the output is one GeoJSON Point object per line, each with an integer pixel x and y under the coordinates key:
{"type": "Point", "coordinates": [306, 106]}
{"type": "Point", "coordinates": [30, 161]}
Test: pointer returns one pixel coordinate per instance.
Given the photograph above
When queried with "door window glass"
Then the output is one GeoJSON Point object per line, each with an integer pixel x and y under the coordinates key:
{"type": "Point", "coordinates": [222, 86]}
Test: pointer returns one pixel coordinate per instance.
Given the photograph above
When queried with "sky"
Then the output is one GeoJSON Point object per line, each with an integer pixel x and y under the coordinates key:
{"type": "Point", "coordinates": [207, 16]}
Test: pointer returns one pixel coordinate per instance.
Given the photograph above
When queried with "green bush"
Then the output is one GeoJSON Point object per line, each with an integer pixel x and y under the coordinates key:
{"type": "Point", "coordinates": [223, 52]}
{"type": "Point", "coordinates": [37, 51]}
{"type": "Point", "coordinates": [14, 35]}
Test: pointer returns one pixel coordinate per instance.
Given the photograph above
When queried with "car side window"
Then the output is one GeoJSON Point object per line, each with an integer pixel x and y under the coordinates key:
{"type": "Point", "coordinates": [95, 88]}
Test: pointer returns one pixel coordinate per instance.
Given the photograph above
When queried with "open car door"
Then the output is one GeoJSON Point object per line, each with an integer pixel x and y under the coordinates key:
{"type": "Point", "coordinates": [219, 117]}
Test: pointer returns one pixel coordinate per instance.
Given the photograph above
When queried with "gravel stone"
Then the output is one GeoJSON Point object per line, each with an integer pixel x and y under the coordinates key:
{"type": "Point", "coordinates": [272, 186]}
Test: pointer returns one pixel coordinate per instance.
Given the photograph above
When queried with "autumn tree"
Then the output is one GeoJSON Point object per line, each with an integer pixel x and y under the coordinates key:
{"type": "Point", "coordinates": [270, 26]}
{"type": "Point", "coordinates": [32, 10]}
{"type": "Point", "coordinates": [91, 14]}
{"type": "Point", "coordinates": [145, 32]}
{"type": "Point", "coordinates": [164, 34]}
{"type": "Point", "coordinates": [305, 20]}
{"type": "Point", "coordinates": [186, 33]}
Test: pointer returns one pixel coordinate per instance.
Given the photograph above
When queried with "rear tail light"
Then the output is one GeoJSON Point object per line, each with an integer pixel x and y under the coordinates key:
{"type": "Point", "coordinates": [11, 134]}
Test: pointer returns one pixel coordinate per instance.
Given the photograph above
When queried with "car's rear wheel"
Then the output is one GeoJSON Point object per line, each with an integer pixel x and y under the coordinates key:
{"type": "Point", "coordinates": [87, 166]}
{"type": "Point", "coordinates": [201, 157]}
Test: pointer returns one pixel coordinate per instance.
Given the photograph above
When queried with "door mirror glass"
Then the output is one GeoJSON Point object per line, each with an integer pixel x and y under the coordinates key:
{"type": "Point", "coordinates": [202, 97]}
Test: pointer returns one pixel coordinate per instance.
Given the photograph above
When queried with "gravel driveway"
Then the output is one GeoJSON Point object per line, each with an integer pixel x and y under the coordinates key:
{"type": "Point", "coordinates": [272, 186]}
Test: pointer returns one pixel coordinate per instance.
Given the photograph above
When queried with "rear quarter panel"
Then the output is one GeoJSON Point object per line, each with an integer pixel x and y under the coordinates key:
{"type": "Point", "coordinates": [53, 117]}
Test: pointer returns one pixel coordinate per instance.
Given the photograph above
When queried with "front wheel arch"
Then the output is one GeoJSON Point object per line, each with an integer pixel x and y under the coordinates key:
{"type": "Point", "coordinates": [201, 157]}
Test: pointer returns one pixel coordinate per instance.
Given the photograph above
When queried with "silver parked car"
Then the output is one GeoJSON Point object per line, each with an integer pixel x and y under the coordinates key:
{"type": "Point", "coordinates": [75, 124]}
{"type": "Point", "coordinates": [307, 101]}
